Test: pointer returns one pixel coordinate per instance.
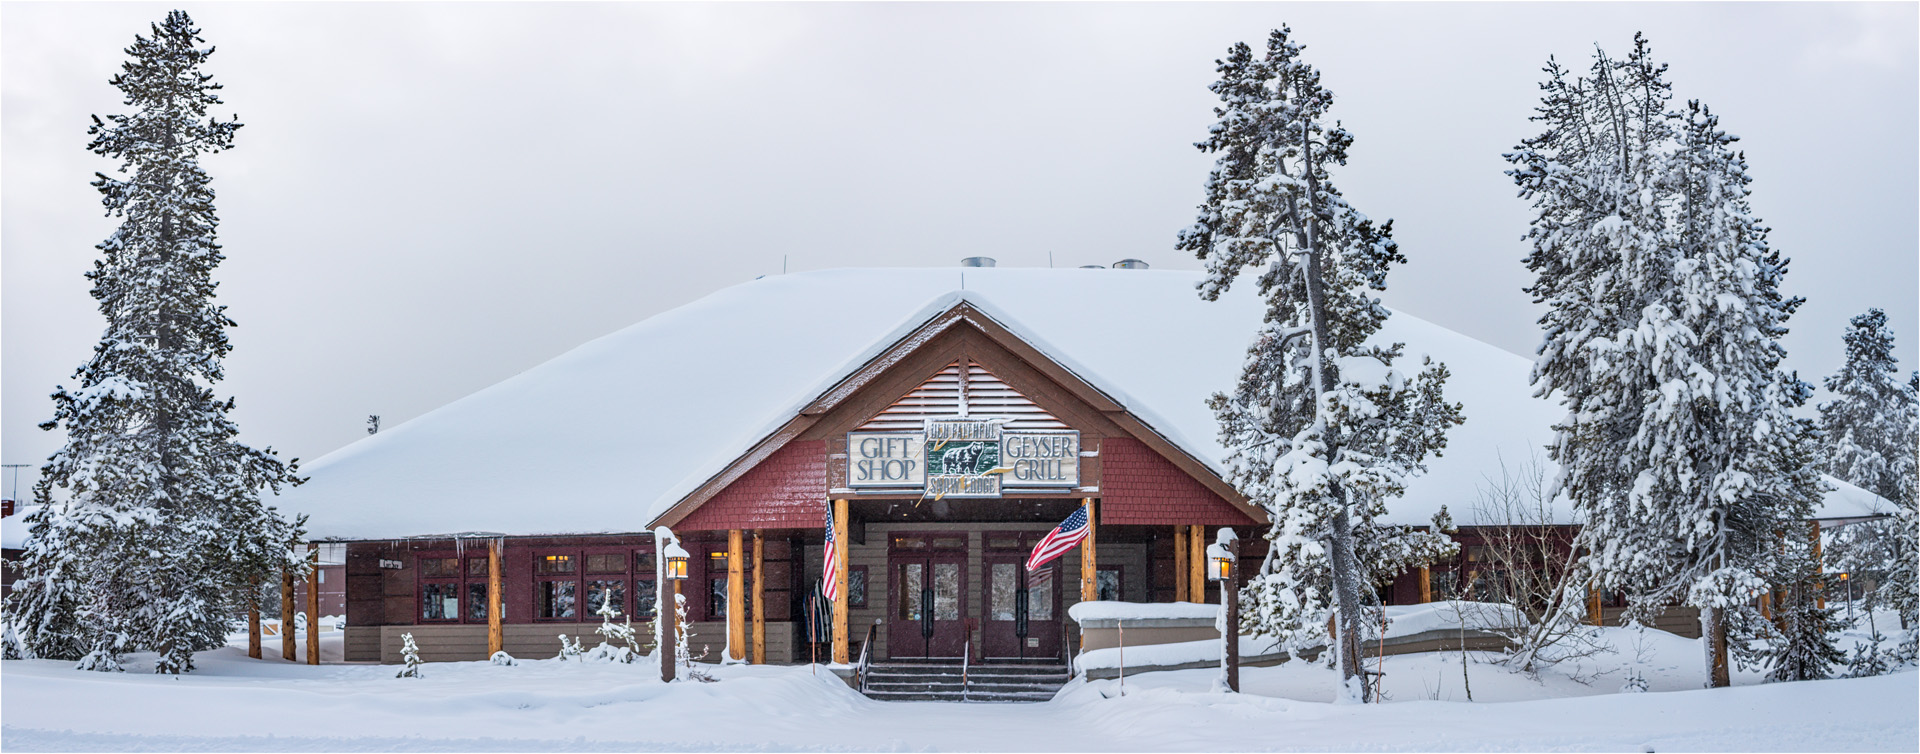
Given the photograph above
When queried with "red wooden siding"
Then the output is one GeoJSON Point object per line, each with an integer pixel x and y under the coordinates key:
{"type": "Point", "coordinates": [787, 490]}
{"type": "Point", "coordinates": [1138, 486]}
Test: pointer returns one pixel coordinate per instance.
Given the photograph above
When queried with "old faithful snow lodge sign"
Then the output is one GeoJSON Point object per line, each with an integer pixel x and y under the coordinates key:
{"type": "Point", "coordinates": [963, 458]}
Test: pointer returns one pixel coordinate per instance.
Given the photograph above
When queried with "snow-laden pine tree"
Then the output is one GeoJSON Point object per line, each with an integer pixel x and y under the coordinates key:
{"type": "Point", "coordinates": [1661, 338]}
{"type": "Point", "coordinates": [1872, 429]}
{"type": "Point", "coordinates": [1322, 428]}
{"type": "Point", "coordinates": [152, 527]}
{"type": "Point", "coordinates": [1870, 421]}
{"type": "Point", "coordinates": [1804, 650]}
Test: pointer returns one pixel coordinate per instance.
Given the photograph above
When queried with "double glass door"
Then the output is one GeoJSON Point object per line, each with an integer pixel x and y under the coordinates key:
{"type": "Point", "coordinates": [929, 595]}
{"type": "Point", "coordinates": [1023, 607]}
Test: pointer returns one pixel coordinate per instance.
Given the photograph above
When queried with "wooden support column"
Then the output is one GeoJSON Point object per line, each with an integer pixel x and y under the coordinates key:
{"type": "Point", "coordinates": [496, 633]}
{"type": "Point", "coordinates": [313, 604]}
{"type": "Point", "coordinates": [736, 597]}
{"type": "Point", "coordinates": [289, 651]}
{"type": "Point", "coordinates": [1089, 571]}
{"type": "Point", "coordinates": [253, 621]}
{"type": "Point", "coordinates": [1197, 563]}
{"type": "Point", "coordinates": [759, 600]}
{"type": "Point", "coordinates": [1180, 581]}
{"type": "Point", "coordinates": [1595, 615]}
{"type": "Point", "coordinates": [1426, 584]}
{"type": "Point", "coordinates": [840, 654]}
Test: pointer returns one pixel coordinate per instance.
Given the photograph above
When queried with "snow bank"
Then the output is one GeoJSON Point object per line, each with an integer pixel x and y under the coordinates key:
{"type": "Point", "coordinates": [609, 435]}
{"type": "Point", "coordinates": [1402, 621]}
{"type": "Point", "coordinates": [1111, 610]}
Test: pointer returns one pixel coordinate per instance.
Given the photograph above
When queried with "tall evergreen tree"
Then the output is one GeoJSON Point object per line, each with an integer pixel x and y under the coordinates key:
{"type": "Point", "coordinates": [1664, 312]}
{"type": "Point", "coordinates": [1322, 429]}
{"type": "Point", "coordinates": [152, 530]}
{"type": "Point", "coordinates": [1872, 430]}
{"type": "Point", "coordinates": [1870, 421]}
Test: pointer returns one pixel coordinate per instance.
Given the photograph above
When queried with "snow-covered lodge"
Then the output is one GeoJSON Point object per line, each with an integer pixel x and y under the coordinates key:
{"type": "Point", "coordinates": [941, 420]}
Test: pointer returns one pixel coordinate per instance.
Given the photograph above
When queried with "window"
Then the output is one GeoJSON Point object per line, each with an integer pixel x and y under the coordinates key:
{"type": "Point", "coordinates": [556, 588]}
{"type": "Point", "coordinates": [644, 594]}
{"type": "Point", "coordinates": [477, 568]}
{"type": "Point", "coordinates": [554, 564]}
{"type": "Point", "coordinates": [1107, 583]}
{"type": "Point", "coordinates": [555, 599]}
{"type": "Point", "coordinates": [476, 602]}
{"type": "Point", "coordinates": [717, 598]}
{"type": "Point", "coordinates": [604, 593]}
{"type": "Point", "coordinates": [440, 601]}
{"type": "Point", "coordinates": [440, 568]}
{"type": "Point", "coordinates": [607, 562]}
{"type": "Point", "coordinates": [856, 586]}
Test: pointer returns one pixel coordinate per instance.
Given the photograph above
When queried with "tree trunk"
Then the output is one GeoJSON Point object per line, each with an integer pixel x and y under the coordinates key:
{"type": "Point", "coordinates": [1346, 589]}
{"type": "Point", "coordinates": [1719, 677]}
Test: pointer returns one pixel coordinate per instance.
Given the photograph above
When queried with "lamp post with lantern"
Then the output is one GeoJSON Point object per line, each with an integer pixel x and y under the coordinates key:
{"type": "Point", "coordinates": [673, 570]}
{"type": "Point", "coordinates": [1223, 559]}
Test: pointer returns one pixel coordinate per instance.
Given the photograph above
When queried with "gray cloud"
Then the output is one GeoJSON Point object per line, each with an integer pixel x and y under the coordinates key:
{"type": "Point", "coordinates": [429, 198]}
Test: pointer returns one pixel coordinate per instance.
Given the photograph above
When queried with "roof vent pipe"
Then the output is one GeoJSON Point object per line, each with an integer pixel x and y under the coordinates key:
{"type": "Point", "coordinates": [977, 262]}
{"type": "Point", "coordinates": [1093, 266]}
{"type": "Point", "coordinates": [1130, 264]}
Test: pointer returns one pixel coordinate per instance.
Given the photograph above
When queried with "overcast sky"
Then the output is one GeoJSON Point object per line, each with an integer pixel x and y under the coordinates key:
{"type": "Point", "coordinates": [429, 198]}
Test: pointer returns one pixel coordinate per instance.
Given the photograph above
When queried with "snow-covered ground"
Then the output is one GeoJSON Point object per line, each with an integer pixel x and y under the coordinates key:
{"type": "Point", "coordinates": [234, 703]}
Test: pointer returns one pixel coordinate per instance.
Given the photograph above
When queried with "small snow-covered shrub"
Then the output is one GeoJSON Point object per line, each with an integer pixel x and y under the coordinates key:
{"type": "Point", "coordinates": [409, 654]}
{"type": "Point", "coordinates": [611, 632]}
{"type": "Point", "coordinates": [1636, 683]}
{"type": "Point", "coordinates": [569, 648]}
{"type": "Point", "coordinates": [502, 658]}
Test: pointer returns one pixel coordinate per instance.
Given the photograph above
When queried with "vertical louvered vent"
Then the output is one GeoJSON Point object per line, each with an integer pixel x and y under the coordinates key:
{"type": "Point", "coordinates": [985, 395]}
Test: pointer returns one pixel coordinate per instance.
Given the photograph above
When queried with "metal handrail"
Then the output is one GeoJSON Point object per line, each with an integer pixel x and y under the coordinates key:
{"type": "Point", "coordinates": [866, 657]}
{"type": "Point", "coordinates": [966, 654]}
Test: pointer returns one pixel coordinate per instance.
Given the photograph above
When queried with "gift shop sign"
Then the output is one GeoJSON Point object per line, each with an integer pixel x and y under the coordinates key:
{"type": "Point", "coordinates": [963, 458]}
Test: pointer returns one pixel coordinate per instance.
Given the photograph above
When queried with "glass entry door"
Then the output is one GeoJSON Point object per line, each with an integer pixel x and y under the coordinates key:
{"type": "Point", "coordinates": [928, 590]}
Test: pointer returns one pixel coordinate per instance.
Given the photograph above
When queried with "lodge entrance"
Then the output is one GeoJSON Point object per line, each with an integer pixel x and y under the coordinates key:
{"type": "Point", "coordinates": [929, 577]}
{"type": "Point", "coordinates": [1022, 618]}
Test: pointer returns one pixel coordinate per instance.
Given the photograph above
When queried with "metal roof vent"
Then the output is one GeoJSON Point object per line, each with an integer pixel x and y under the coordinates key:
{"type": "Point", "coordinates": [1130, 264]}
{"type": "Point", "coordinates": [977, 262]}
{"type": "Point", "coordinates": [1093, 266]}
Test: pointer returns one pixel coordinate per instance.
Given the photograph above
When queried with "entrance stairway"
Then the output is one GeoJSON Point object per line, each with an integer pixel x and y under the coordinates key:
{"type": "Point", "coordinates": [941, 681]}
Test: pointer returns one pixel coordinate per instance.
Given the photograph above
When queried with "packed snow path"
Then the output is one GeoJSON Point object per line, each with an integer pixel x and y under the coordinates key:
{"type": "Point", "coordinates": [233, 703]}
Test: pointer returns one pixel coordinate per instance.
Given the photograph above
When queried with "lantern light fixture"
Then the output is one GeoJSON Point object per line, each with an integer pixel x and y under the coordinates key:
{"type": "Point", "coordinates": [676, 557]}
{"type": "Point", "coordinates": [1221, 561]}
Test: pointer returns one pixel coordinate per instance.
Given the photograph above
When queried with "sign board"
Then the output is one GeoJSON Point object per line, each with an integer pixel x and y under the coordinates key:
{"type": "Point", "coordinates": [1041, 458]}
{"type": "Point", "coordinates": [391, 565]}
{"type": "Point", "coordinates": [963, 458]}
{"type": "Point", "coordinates": [886, 459]}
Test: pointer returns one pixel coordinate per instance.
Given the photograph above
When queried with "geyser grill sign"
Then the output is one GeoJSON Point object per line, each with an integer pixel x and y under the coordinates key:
{"type": "Point", "coordinates": [963, 458]}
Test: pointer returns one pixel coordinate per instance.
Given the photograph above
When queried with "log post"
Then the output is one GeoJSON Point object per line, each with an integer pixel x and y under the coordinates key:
{"type": "Point", "coordinates": [1595, 615]}
{"type": "Point", "coordinates": [736, 597]}
{"type": "Point", "coordinates": [840, 640]}
{"type": "Point", "coordinates": [1819, 581]}
{"type": "Point", "coordinates": [759, 600]}
{"type": "Point", "coordinates": [496, 632]}
{"type": "Point", "coordinates": [289, 651]}
{"type": "Point", "coordinates": [1230, 602]}
{"type": "Point", "coordinates": [1426, 584]}
{"type": "Point", "coordinates": [1197, 563]}
{"type": "Point", "coordinates": [1180, 582]}
{"type": "Point", "coordinates": [253, 620]}
{"type": "Point", "coordinates": [313, 603]}
{"type": "Point", "coordinates": [1089, 572]}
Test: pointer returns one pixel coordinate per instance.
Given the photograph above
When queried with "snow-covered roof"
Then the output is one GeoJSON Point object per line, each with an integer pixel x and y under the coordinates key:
{"type": "Point", "coordinates": [13, 529]}
{"type": "Point", "coordinates": [606, 437]}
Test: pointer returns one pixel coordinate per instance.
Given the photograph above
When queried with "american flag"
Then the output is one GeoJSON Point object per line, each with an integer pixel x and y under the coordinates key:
{"type": "Point", "coordinates": [1063, 538]}
{"type": "Point", "coordinates": [830, 571]}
